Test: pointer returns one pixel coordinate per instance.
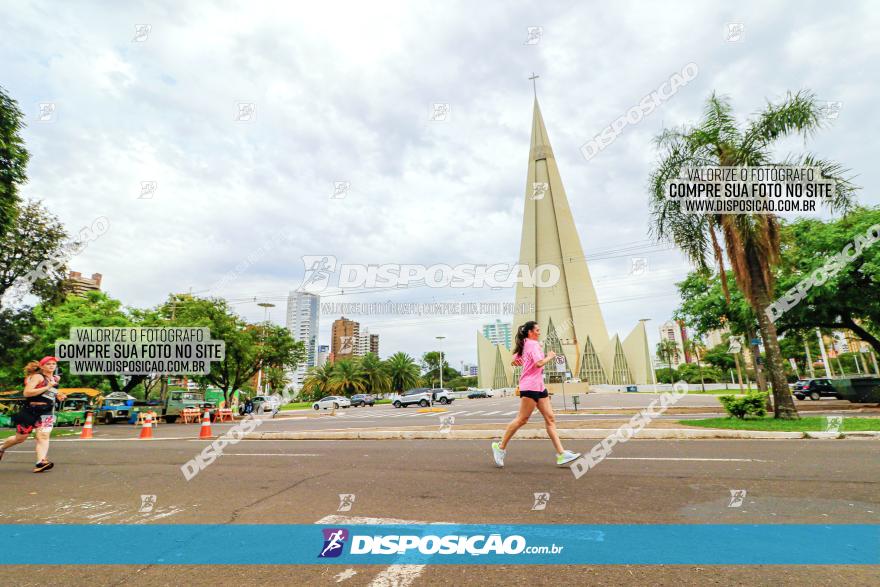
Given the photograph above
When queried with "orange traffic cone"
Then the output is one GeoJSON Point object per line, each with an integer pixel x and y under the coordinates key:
{"type": "Point", "coordinates": [87, 427]}
{"type": "Point", "coordinates": [205, 432]}
{"type": "Point", "coordinates": [147, 428]}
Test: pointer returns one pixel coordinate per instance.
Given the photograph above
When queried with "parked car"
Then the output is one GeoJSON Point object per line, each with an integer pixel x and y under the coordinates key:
{"type": "Point", "coordinates": [815, 389]}
{"type": "Point", "coordinates": [420, 395]}
{"type": "Point", "coordinates": [478, 393]}
{"type": "Point", "coordinates": [363, 399]}
{"type": "Point", "coordinates": [442, 396]}
{"type": "Point", "coordinates": [264, 404]}
{"type": "Point", "coordinates": [332, 401]}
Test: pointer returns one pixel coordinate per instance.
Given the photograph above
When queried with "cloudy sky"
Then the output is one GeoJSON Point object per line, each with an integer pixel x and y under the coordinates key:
{"type": "Point", "coordinates": [344, 92]}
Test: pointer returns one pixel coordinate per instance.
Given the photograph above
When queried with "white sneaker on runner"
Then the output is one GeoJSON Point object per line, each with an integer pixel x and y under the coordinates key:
{"type": "Point", "coordinates": [498, 453]}
{"type": "Point", "coordinates": [566, 457]}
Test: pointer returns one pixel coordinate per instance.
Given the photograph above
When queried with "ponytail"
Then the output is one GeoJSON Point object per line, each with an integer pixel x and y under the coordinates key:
{"type": "Point", "coordinates": [522, 333]}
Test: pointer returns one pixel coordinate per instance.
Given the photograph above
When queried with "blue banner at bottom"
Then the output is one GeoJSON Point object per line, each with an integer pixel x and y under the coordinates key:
{"type": "Point", "coordinates": [457, 544]}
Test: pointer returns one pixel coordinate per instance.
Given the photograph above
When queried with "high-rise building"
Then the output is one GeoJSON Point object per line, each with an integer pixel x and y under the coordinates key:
{"type": "Point", "coordinates": [469, 370]}
{"type": "Point", "coordinates": [715, 337]}
{"type": "Point", "coordinates": [80, 285]}
{"type": "Point", "coordinates": [344, 338]}
{"type": "Point", "coordinates": [676, 332]}
{"type": "Point", "coordinates": [303, 321]}
{"type": "Point", "coordinates": [567, 310]}
{"type": "Point", "coordinates": [323, 355]}
{"type": "Point", "coordinates": [374, 344]}
{"type": "Point", "coordinates": [498, 332]}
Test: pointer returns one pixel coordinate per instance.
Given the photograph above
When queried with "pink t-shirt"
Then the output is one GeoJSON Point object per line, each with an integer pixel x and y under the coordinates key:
{"type": "Point", "coordinates": [532, 378]}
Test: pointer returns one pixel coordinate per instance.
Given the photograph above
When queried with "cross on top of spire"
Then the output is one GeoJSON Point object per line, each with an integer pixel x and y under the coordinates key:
{"type": "Point", "coordinates": [534, 85]}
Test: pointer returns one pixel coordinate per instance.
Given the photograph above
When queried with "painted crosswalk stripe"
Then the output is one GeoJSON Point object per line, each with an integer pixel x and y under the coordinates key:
{"type": "Point", "coordinates": [492, 413]}
{"type": "Point", "coordinates": [510, 413]}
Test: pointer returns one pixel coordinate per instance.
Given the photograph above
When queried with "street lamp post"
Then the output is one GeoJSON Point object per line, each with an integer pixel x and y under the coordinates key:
{"type": "Point", "coordinates": [265, 306]}
{"type": "Point", "coordinates": [440, 340]}
{"type": "Point", "coordinates": [650, 360]}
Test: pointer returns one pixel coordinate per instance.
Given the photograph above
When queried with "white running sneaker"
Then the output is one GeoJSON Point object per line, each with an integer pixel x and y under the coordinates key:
{"type": "Point", "coordinates": [566, 457]}
{"type": "Point", "coordinates": [498, 453]}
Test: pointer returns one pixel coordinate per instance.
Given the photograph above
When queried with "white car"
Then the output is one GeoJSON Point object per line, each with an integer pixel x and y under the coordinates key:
{"type": "Point", "coordinates": [264, 404]}
{"type": "Point", "coordinates": [332, 401]}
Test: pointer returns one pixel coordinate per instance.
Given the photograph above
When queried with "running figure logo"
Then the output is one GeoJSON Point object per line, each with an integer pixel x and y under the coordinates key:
{"type": "Point", "coordinates": [346, 500]}
{"type": "Point", "coordinates": [737, 496]}
{"type": "Point", "coordinates": [147, 503]}
{"type": "Point", "coordinates": [833, 423]}
{"type": "Point", "coordinates": [541, 500]}
{"type": "Point", "coordinates": [334, 540]}
{"type": "Point", "coordinates": [318, 271]}
{"type": "Point", "coordinates": [446, 423]}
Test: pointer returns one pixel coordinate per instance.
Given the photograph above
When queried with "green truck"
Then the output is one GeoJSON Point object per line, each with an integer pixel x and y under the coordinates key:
{"type": "Point", "coordinates": [178, 400]}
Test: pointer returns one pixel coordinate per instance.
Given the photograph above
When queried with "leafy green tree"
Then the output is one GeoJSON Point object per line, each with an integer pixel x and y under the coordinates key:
{"type": "Point", "coordinates": [720, 358]}
{"type": "Point", "coordinates": [847, 300]}
{"type": "Point", "coordinates": [13, 163]}
{"type": "Point", "coordinates": [32, 255]}
{"type": "Point", "coordinates": [404, 372]}
{"type": "Point", "coordinates": [751, 241]}
{"type": "Point", "coordinates": [15, 334]}
{"type": "Point", "coordinates": [666, 375]}
{"type": "Point", "coordinates": [90, 310]}
{"type": "Point", "coordinates": [248, 346]}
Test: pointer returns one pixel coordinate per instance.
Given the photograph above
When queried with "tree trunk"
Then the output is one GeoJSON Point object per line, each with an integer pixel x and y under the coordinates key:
{"type": "Point", "coordinates": [756, 354]}
{"type": "Point", "coordinates": [783, 404]}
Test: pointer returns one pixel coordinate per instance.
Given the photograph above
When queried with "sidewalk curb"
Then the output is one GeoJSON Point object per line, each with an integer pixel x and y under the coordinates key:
{"type": "Point", "coordinates": [536, 434]}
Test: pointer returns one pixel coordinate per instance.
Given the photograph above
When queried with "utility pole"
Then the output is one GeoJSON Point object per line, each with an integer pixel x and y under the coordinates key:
{"type": "Point", "coordinates": [809, 361]}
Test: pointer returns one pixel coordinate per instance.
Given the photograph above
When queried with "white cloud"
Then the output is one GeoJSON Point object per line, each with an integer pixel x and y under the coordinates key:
{"type": "Point", "coordinates": [343, 92]}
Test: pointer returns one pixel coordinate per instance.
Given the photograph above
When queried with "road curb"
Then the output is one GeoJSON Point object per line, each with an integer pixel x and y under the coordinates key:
{"type": "Point", "coordinates": [536, 434]}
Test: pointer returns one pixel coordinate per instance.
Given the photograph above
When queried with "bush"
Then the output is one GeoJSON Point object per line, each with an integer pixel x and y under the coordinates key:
{"type": "Point", "coordinates": [753, 404]}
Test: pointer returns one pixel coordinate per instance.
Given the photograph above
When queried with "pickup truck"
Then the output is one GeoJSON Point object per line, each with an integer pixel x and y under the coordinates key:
{"type": "Point", "coordinates": [176, 401]}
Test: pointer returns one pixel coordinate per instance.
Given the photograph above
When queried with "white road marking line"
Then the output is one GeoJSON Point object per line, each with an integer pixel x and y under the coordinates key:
{"type": "Point", "coordinates": [475, 413]}
{"type": "Point", "coordinates": [513, 413]}
{"type": "Point", "coordinates": [685, 459]}
{"type": "Point", "coordinates": [492, 413]}
{"type": "Point", "coordinates": [269, 454]}
{"type": "Point", "coordinates": [398, 576]}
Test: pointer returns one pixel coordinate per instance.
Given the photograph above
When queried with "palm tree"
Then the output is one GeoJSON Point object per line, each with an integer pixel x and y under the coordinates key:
{"type": "Point", "coordinates": [375, 374]}
{"type": "Point", "coordinates": [348, 377]}
{"type": "Point", "coordinates": [317, 382]}
{"type": "Point", "coordinates": [403, 371]}
{"type": "Point", "coordinates": [751, 241]}
{"type": "Point", "coordinates": [667, 349]}
{"type": "Point", "coordinates": [696, 346]}
{"type": "Point", "coordinates": [277, 378]}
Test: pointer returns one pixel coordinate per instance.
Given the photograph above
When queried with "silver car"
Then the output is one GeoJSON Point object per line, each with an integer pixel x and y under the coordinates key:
{"type": "Point", "coordinates": [332, 401]}
{"type": "Point", "coordinates": [421, 396]}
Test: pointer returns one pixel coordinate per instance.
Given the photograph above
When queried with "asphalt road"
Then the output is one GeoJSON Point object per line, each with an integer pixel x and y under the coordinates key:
{"type": "Point", "coordinates": [449, 481]}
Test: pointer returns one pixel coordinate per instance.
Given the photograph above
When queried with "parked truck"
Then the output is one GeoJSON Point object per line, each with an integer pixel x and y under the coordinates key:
{"type": "Point", "coordinates": [178, 400]}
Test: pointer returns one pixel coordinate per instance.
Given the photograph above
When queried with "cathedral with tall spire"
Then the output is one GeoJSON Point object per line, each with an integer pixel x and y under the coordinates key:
{"type": "Point", "coordinates": [568, 311]}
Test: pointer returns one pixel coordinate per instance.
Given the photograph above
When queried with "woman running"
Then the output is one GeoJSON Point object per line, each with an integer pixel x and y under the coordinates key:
{"type": "Point", "coordinates": [527, 352]}
{"type": "Point", "coordinates": [38, 412]}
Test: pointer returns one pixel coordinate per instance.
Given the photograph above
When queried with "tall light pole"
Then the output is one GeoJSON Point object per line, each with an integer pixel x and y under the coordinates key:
{"type": "Point", "coordinates": [265, 306]}
{"type": "Point", "coordinates": [650, 360]}
{"type": "Point", "coordinates": [824, 354]}
{"type": "Point", "coordinates": [440, 342]}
